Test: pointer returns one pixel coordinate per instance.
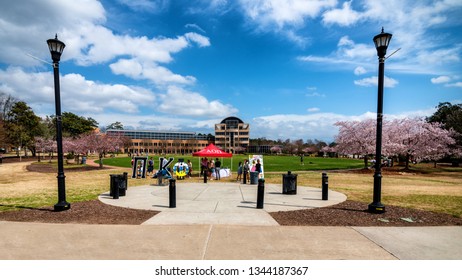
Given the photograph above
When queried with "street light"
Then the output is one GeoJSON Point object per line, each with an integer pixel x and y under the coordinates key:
{"type": "Point", "coordinates": [381, 44]}
{"type": "Point", "coordinates": [56, 49]}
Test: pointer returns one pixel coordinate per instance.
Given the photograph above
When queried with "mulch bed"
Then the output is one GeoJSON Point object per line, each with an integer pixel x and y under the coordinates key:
{"type": "Point", "coordinates": [348, 213]}
{"type": "Point", "coordinates": [353, 213]}
{"type": "Point", "coordinates": [88, 212]}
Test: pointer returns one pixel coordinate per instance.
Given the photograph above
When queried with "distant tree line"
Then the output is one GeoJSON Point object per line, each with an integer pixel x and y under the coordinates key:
{"type": "Point", "coordinates": [433, 138]}
{"type": "Point", "coordinates": [299, 146]}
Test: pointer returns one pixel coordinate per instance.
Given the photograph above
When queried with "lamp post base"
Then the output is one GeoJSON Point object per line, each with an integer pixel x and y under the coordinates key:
{"type": "Point", "coordinates": [62, 206]}
{"type": "Point", "coordinates": [376, 208]}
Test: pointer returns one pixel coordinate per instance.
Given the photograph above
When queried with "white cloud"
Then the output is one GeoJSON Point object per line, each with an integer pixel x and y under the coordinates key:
{"type": "Point", "coordinates": [344, 17]}
{"type": "Point", "coordinates": [360, 70]}
{"type": "Point", "coordinates": [348, 49]}
{"type": "Point", "coordinates": [153, 6]}
{"type": "Point", "coordinates": [158, 75]}
{"type": "Point", "coordinates": [314, 126]}
{"type": "Point", "coordinates": [128, 67]}
{"type": "Point", "coordinates": [150, 121]}
{"type": "Point", "coordinates": [86, 97]}
{"type": "Point", "coordinates": [195, 26]}
{"type": "Point", "coordinates": [441, 80]}
{"type": "Point", "coordinates": [98, 45]}
{"type": "Point", "coordinates": [202, 41]}
{"type": "Point", "coordinates": [78, 95]}
{"type": "Point", "coordinates": [275, 13]}
{"type": "Point", "coordinates": [283, 17]}
{"type": "Point", "coordinates": [312, 92]}
{"type": "Point", "coordinates": [311, 126]}
{"type": "Point", "coordinates": [373, 81]}
{"type": "Point", "coordinates": [313, 110]}
{"type": "Point", "coordinates": [348, 54]}
{"type": "Point", "coordinates": [218, 7]}
{"type": "Point", "coordinates": [345, 41]}
{"type": "Point", "coordinates": [315, 94]}
{"type": "Point", "coordinates": [458, 84]}
{"type": "Point", "coordinates": [25, 27]}
{"type": "Point", "coordinates": [324, 59]}
{"type": "Point", "coordinates": [179, 101]}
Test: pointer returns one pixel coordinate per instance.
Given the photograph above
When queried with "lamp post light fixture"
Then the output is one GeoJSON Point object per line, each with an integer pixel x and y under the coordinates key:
{"type": "Point", "coordinates": [56, 49]}
{"type": "Point", "coordinates": [381, 44]}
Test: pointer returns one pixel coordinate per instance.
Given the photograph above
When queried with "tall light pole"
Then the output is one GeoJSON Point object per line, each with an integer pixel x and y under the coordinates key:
{"type": "Point", "coordinates": [381, 44]}
{"type": "Point", "coordinates": [56, 49]}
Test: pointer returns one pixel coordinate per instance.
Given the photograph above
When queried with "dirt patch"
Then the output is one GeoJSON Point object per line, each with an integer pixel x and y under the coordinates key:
{"type": "Point", "coordinates": [12, 159]}
{"type": "Point", "coordinates": [353, 213]}
{"type": "Point", "coordinates": [88, 212]}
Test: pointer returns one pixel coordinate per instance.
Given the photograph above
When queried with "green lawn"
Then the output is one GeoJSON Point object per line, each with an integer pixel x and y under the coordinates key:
{"type": "Point", "coordinates": [271, 163]}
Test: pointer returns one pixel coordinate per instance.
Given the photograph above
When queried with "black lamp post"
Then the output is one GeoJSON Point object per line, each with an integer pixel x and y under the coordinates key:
{"type": "Point", "coordinates": [56, 49]}
{"type": "Point", "coordinates": [381, 44]}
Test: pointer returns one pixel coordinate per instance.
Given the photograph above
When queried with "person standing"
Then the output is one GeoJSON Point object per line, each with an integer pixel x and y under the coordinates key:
{"type": "Point", "coordinates": [258, 168]}
{"type": "Point", "coordinates": [150, 166]}
{"type": "Point", "coordinates": [246, 170]}
{"type": "Point", "coordinates": [239, 172]}
{"type": "Point", "coordinates": [189, 168]}
{"type": "Point", "coordinates": [217, 169]}
{"type": "Point", "coordinates": [204, 166]}
{"type": "Point", "coordinates": [211, 168]}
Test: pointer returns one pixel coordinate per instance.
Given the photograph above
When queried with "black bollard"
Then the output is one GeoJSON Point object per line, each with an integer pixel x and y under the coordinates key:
{"type": "Point", "coordinates": [260, 193]}
{"type": "Point", "coordinates": [245, 177]}
{"type": "Point", "coordinates": [172, 193]}
{"type": "Point", "coordinates": [325, 186]}
{"type": "Point", "coordinates": [126, 180]}
{"type": "Point", "coordinates": [205, 176]}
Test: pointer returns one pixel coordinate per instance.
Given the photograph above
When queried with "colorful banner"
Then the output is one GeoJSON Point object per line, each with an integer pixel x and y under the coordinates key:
{"type": "Point", "coordinates": [254, 160]}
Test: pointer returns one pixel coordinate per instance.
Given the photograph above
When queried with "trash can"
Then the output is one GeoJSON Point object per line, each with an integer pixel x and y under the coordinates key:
{"type": "Point", "coordinates": [253, 178]}
{"type": "Point", "coordinates": [289, 183]}
{"type": "Point", "coordinates": [118, 186]}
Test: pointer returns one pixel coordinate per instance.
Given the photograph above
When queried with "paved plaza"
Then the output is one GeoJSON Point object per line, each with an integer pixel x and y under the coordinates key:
{"type": "Point", "coordinates": [219, 203]}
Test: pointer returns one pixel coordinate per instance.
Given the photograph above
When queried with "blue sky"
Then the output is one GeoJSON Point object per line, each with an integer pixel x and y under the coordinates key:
{"type": "Point", "coordinates": [289, 68]}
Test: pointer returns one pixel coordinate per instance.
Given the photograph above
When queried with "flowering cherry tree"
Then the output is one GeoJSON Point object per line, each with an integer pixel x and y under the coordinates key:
{"type": "Point", "coordinates": [76, 145]}
{"type": "Point", "coordinates": [100, 143]}
{"type": "Point", "coordinates": [239, 149]}
{"type": "Point", "coordinates": [276, 149]}
{"type": "Point", "coordinates": [412, 138]}
{"type": "Point", "coordinates": [356, 138]}
{"type": "Point", "coordinates": [44, 145]}
{"type": "Point", "coordinates": [418, 140]}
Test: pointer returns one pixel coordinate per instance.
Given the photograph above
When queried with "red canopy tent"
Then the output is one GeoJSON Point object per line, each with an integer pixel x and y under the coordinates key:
{"type": "Point", "coordinates": [212, 151]}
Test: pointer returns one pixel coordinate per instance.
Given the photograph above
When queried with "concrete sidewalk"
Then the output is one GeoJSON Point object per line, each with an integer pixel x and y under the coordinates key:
{"type": "Point", "coordinates": [35, 241]}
